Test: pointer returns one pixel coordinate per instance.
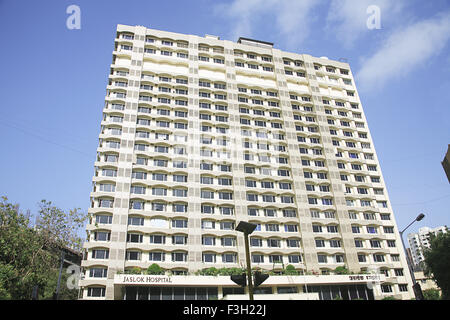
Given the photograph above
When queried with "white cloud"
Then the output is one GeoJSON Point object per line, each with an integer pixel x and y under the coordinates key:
{"type": "Point", "coordinates": [404, 50]}
{"type": "Point", "coordinates": [347, 19]}
{"type": "Point", "coordinates": [290, 19]}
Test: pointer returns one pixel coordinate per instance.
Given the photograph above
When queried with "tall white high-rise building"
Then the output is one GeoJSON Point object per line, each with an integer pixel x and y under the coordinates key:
{"type": "Point", "coordinates": [421, 240]}
{"type": "Point", "coordinates": [199, 134]}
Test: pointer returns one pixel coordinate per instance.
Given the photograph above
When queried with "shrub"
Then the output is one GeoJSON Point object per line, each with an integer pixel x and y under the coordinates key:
{"type": "Point", "coordinates": [389, 298]}
{"type": "Point", "coordinates": [209, 271]}
{"type": "Point", "coordinates": [290, 270]}
{"type": "Point", "coordinates": [155, 269]}
{"type": "Point", "coordinates": [341, 270]}
{"type": "Point", "coordinates": [134, 270]}
{"type": "Point", "coordinates": [431, 294]}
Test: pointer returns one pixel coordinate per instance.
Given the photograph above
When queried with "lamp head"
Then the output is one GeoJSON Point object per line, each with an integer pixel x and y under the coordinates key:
{"type": "Point", "coordinates": [420, 217]}
{"type": "Point", "coordinates": [246, 227]}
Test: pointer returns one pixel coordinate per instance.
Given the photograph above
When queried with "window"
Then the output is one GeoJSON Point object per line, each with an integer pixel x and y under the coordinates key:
{"type": "Point", "coordinates": [179, 192]}
{"type": "Point", "coordinates": [385, 288]}
{"type": "Point", "coordinates": [98, 272]}
{"type": "Point", "coordinates": [388, 229]}
{"type": "Point", "coordinates": [372, 230]}
{"type": "Point", "coordinates": [137, 205]}
{"type": "Point", "coordinates": [179, 223]}
{"type": "Point", "coordinates": [208, 241]}
{"type": "Point", "coordinates": [290, 228]}
{"type": "Point", "coordinates": [205, 194]}
{"type": "Point", "coordinates": [157, 239]}
{"type": "Point", "coordinates": [209, 257]}
{"type": "Point", "coordinates": [391, 243]}
{"type": "Point", "coordinates": [257, 258]}
{"type": "Point", "coordinates": [256, 242]}
{"type": "Point", "coordinates": [272, 227]}
{"type": "Point", "coordinates": [135, 238]}
{"type": "Point", "coordinates": [207, 224]}
{"type": "Point", "coordinates": [332, 229]}
{"type": "Point", "coordinates": [179, 239]}
{"type": "Point", "coordinates": [403, 287]}
{"type": "Point", "coordinates": [179, 256]}
{"type": "Point", "coordinates": [293, 243]}
{"type": "Point", "coordinates": [156, 256]}
{"type": "Point", "coordinates": [100, 254]}
{"type": "Point", "coordinates": [398, 272]}
{"type": "Point", "coordinates": [229, 257]}
{"type": "Point", "coordinates": [103, 219]}
{"type": "Point", "coordinates": [137, 190]}
{"type": "Point", "coordinates": [102, 236]}
{"type": "Point", "coordinates": [294, 258]}
{"type": "Point", "coordinates": [320, 243]}
{"type": "Point", "coordinates": [96, 292]}
{"type": "Point", "coordinates": [226, 225]}
{"type": "Point", "coordinates": [179, 178]}
{"type": "Point", "coordinates": [375, 244]}
{"type": "Point", "coordinates": [159, 191]}
{"type": "Point", "coordinates": [395, 257]}
{"type": "Point", "coordinates": [275, 258]}
{"type": "Point", "coordinates": [226, 210]}
{"type": "Point", "coordinates": [133, 255]}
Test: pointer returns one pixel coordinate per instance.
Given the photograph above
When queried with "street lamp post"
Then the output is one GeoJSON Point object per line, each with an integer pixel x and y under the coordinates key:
{"type": "Point", "coordinates": [247, 228]}
{"type": "Point", "coordinates": [416, 286]}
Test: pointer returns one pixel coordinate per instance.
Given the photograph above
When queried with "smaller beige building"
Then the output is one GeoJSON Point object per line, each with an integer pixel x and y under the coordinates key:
{"type": "Point", "coordinates": [425, 281]}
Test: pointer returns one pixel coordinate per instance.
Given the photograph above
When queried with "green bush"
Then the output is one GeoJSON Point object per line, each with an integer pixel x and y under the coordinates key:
{"type": "Point", "coordinates": [431, 294]}
{"type": "Point", "coordinates": [209, 271]}
{"type": "Point", "coordinates": [155, 269]}
{"type": "Point", "coordinates": [290, 270]}
{"type": "Point", "coordinates": [341, 270]}
{"type": "Point", "coordinates": [389, 298]}
{"type": "Point", "coordinates": [134, 270]}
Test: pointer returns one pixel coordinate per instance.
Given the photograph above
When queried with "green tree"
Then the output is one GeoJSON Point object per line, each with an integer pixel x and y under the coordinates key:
{"type": "Point", "coordinates": [431, 294]}
{"type": "Point", "coordinates": [437, 262]}
{"type": "Point", "coordinates": [60, 228]}
{"type": "Point", "coordinates": [24, 260]}
{"type": "Point", "coordinates": [29, 255]}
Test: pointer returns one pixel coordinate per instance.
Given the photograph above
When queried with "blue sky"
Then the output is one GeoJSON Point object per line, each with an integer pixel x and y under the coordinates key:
{"type": "Point", "coordinates": [54, 84]}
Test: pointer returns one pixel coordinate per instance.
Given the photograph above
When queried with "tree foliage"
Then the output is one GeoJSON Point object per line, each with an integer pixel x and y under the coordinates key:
{"type": "Point", "coordinates": [437, 262]}
{"type": "Point", "coordinates": [431, 294]}
{"type": "Point", "coordinates": [29, 255]}
{"type": "Point", "coordinates": [60, 227]}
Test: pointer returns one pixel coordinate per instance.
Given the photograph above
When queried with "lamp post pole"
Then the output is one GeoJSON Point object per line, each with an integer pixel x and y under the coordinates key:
{"type": "Point", "coordinates": [247, 228]}
{"type": "Point", "coordinates": [410, 264]}
{"type": "Point", "coordinates": [249, 267]}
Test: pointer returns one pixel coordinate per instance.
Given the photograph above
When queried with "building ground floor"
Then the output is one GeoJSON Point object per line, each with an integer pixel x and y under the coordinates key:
{"type": "Point", "coordinates": [320, 292]}
{"type": "Point", "coordinates": [307, 287]}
